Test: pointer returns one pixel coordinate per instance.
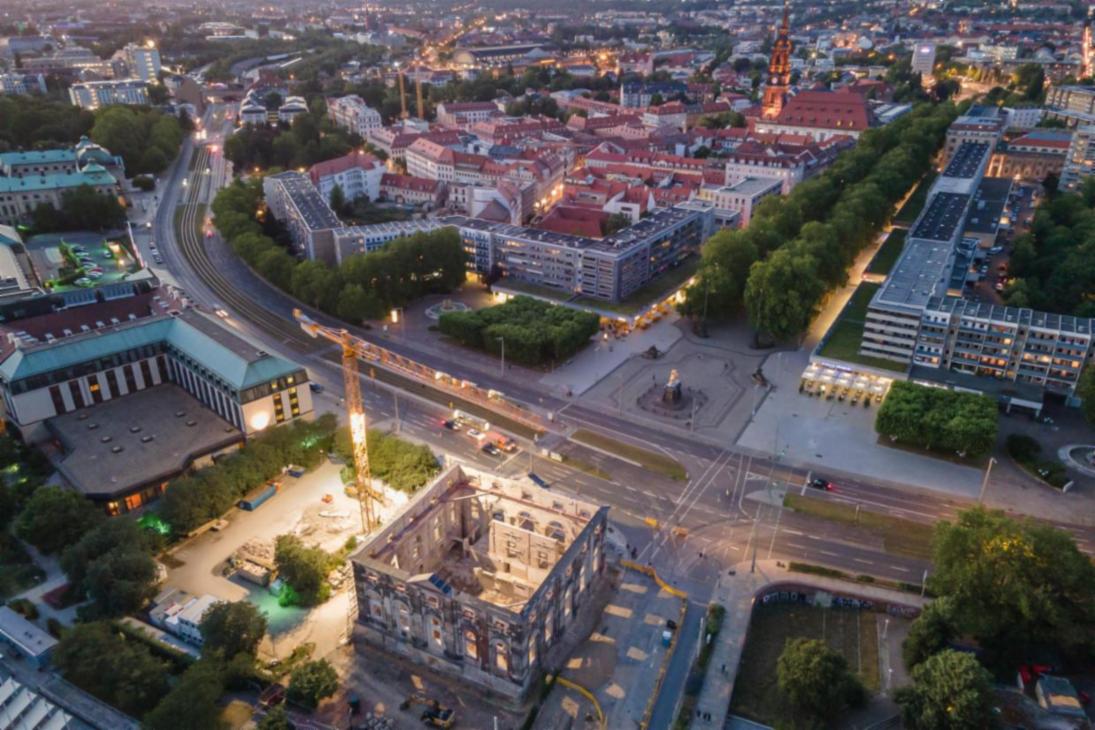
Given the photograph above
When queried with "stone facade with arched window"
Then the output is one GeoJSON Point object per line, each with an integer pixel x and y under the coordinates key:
{"type": "Point", "coordinates": [479, 577]}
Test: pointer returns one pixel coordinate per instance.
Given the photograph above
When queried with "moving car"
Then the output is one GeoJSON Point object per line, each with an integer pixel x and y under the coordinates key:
{"type": "Point", "coordinates": [490, 449]}
{"type": "Point", "coordinates": [823, 484]}
{"type": "Point", "coordinates": [315, 387]}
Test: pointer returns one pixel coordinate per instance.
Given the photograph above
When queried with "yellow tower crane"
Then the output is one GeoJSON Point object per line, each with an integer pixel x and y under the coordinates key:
{"type": "Point", "coordinates": [418, 96]}
{"type": "Point", "coordinates": [355, 411]}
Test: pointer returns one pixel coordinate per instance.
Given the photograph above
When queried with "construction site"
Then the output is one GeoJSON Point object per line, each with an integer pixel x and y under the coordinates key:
{"type": "Point", "coordinates": [479, 577]}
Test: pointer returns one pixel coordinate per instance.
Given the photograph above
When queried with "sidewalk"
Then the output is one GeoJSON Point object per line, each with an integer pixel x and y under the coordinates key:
{"type": "Point", "coordinates": [737, 593]}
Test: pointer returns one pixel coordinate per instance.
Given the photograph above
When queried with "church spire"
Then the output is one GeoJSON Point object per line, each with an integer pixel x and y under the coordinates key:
{"type": "Point", "coordinates": [779, 67]}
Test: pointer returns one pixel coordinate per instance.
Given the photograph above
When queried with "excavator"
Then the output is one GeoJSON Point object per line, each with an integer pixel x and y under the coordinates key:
{"type": "Point", "coordinates": [433, 714]}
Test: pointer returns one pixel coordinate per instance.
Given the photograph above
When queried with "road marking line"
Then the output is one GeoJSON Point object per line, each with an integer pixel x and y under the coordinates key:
{"type": "Point", "coordinates": [898, 567]}
{"type": "Point", "coordinates": [797, 547]}
{"type": "Point", "coordinates": [865, 562]}
{"type": "Point", "coordinates": [794, 532]}
{"type": "Point", "coordinates": [827, 552]}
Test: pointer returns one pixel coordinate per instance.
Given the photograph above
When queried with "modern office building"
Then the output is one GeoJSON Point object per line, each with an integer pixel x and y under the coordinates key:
{"type": "Point", "coordinates": [479, 577]}
{"type": "Point", "coordinates": [354, 115]}
{"type": "Point", "coordinates": [923, 59]}
{"type": "Point", "coordinates": [921, 319]}
{"type": "Point", "coordinates": [978, 124]}
{"type": "Point", "coordinates": [741, 197]}
{"type": "Point", "coordinates": [1073, 104]}
{"type": "Point", "coordinates": [95, 94]}
{"type": "Point", "coordinates": [18, 84]}
{"type": "Point", "coordinates": [143, 61]}
{"type": "Point", "coordinates": [135, 388]}
{"type": "Point", "coordinates": [1080, 158]}
{"type": "Point", "coordinates": [294, 200]}
{"type": "Point", "coordinates": [609, 269]}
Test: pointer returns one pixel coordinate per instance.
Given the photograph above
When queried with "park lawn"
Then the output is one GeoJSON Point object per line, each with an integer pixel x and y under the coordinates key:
{"type": "Point", "coordinates": [851, 632]}
{"type": "Point", "coordinates": [843, 339]}
{"type": "Point", "coordinates": [887, 255]}
{"type": "Point", "coordinates": [915, 203]}
{"type": "Point", "coordinates": [589, 468]}
{"type": "Point", "coordinates": [900, 537]}
{"type": "Point", "coordinates": [647, 459]}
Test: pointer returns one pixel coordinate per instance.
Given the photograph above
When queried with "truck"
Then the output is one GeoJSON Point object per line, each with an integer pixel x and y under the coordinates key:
{"type": "Point", "coordinates": [255, 500]}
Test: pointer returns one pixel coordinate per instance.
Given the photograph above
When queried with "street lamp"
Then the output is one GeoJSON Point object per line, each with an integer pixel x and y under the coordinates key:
{"type": "Point", "coordinates": [503, 341]}
{"type": "Point", "coordinates": [985, 480]}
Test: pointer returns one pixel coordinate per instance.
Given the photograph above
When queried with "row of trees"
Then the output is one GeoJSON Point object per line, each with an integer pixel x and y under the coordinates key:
{"type": "Point", "coordinates": [398, 463]}
{"type": "Point", "coordinates": [82, 209]}
{"type": "Point", "coordinates": [310, 139]}
{"type": "Point", "coordinates": [533, 332]}
{"type": "Point", "coordinates": [30, 121]}
{"type": "Point", "coordinates": [1016, 589]}
{"type": "Point", "coordinates": [364, 286]}
{"type": "Point", "coordinates": [147, 139]}
{"type": "Point", "coordinates": [798, 248]}
{"type": "Point", "coordinates": [1054, 263]}
{"type": "Point", "coordinates": [938, 419]}
{"type": "Point", "coordinates": [205, 495]}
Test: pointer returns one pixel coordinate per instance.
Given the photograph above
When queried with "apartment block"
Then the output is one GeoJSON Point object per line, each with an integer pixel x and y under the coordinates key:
{"type": "Point", "coordinates": [354, 115]}
{"type": "Point", "coordinates": [95, 94]}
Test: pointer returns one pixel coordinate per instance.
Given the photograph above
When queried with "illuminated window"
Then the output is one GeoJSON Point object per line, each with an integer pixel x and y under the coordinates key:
{"type": "Point", "coordinates": [471, 644]}
{"type": "Point", "coordinates": [501, 656]}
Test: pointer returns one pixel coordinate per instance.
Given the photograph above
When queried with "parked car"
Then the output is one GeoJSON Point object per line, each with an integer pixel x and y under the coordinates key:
{"type": "Point", "coordinates": [490, 449]}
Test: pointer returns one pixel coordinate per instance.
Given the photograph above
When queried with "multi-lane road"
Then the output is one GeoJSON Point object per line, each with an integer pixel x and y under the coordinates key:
{"type": "Point", "coordinates": [726, 512]}
{"type": "Point", "coordinates": [710, 504]}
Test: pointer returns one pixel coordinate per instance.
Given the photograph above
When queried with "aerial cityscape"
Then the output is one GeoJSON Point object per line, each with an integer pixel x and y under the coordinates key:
{"type": "Point", "coordinates": [547, 366]}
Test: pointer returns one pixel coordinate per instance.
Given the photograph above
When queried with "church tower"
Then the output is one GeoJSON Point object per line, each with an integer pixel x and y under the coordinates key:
{"type": "Point", "coordinates": [779, 69]}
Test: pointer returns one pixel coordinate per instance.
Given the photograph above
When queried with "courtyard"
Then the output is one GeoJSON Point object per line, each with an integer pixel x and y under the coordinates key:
{"type": "Point", "coordinates": [301, 508]}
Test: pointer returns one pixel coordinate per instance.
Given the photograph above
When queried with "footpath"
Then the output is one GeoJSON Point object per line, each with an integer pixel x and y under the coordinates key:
{"type": "Point", "coordinates": [737, 593]}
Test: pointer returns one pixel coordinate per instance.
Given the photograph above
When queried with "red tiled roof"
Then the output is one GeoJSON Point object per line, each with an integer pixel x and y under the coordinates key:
{"type": "Point", "coordinates": [357, 158]}
{"type": "Point", "coordinates": [409, 182]}
{"type": "Point", "coordinates": [826, 110]}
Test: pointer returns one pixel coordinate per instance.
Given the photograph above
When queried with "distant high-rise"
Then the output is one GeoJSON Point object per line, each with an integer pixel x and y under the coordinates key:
{"type": "Point", "coordinates": [923, 59]}
{"type": "Point", "coordinates": [779, 69]}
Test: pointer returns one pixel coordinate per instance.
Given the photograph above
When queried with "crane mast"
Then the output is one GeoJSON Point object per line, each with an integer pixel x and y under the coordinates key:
{"type": "Point", "coordinates": [359, 433]}
{"type": "Point", "coordinates": [355, 412]}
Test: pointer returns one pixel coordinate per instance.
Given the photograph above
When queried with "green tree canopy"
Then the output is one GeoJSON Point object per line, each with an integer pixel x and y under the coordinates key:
{"type": "Point", "coordinates": [54, 518]}
{"type": "Point", "coordinates": [192, 703]}
{"type": "Point", "coordinates": [816, 681]}
{"type": "Point", "coordinates": [1016, 586]}
{"type": "Point", "coordinates": [950, 691]}
{"type": "Point", "coordinates": [312, 682]}
{"type": "Point", "coordinates": [304, 568]}
{"type": "Point", "coordinates": [95, 657]}
{"type": "Point", "coordinates": [231, 628]}
{"type": "Point", "coordinates": [939, 419]}
{"type": "Point", "coordinates": [930, 633]}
